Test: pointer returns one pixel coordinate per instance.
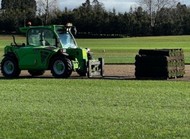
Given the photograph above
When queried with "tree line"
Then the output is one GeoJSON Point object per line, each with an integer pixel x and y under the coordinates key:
{"type": "Point", "coordinates": [93, 20]}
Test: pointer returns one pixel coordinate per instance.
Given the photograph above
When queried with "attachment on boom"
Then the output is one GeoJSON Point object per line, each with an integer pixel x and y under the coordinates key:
{"type": "Point", "coordinates": [96, 68]}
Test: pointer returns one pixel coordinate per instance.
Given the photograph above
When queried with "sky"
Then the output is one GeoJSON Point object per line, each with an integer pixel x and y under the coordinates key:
{"type": "Point", "coordinates": [119, 5]}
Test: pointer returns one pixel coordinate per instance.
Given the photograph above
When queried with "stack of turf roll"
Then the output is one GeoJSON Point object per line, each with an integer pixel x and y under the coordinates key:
{"type": "Point", "coordinates": [160, 63]}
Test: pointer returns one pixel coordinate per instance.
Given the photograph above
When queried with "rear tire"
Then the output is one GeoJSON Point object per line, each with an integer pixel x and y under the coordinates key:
{"type": "Point", "coordinates": [61, 67]}
{"type": "Point", "coordinates": [9, 67]}
{"type": "Point", "coordinates": [36, 72]}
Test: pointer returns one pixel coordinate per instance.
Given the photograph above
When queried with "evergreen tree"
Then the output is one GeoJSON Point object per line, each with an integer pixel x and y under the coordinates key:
{"type": "Point", "coordinates": [17, 12]}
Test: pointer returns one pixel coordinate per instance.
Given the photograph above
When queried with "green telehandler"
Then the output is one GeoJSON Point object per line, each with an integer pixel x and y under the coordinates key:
{"type": "Point", "coordinates": [49, 48]}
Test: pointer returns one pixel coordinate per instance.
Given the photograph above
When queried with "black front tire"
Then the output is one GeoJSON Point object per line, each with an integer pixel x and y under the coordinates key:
{"type": "Point", "coordinates": [61, 67]}
{"type": "Point", "coordinates": [36, 72]}
{"type": "Point", "coordinates": [83, 72]}
{"type": "Point", "coordinates": [9, 67]}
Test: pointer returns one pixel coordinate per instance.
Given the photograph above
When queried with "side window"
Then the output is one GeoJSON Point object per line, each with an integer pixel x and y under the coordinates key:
{"type": "Point", "coordinates": [34, 37]}
{"type": "Point", "coordinates": [44, 37]}
{"type": "Point", "coordinates": [49, 38]}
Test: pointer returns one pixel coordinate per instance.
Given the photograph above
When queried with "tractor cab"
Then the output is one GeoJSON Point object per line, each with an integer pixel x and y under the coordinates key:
{"type": "Point", "coordinates": [57, 36]}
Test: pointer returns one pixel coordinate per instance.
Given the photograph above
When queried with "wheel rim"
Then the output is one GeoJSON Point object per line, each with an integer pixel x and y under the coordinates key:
{"type": "Point", "coordinates": [59, 67]}
{"type": "Point", "coordinates": [9, 67]}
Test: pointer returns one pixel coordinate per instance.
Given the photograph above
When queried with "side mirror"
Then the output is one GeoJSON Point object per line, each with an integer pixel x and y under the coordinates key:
{"type": "Point", "coordinates": [71, 28]}
{"type": "Point", "coordinates": [74, 30]}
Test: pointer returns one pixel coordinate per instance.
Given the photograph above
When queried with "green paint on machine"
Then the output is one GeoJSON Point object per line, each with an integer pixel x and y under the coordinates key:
{"type": "Point", "coordinates": [47, 48]}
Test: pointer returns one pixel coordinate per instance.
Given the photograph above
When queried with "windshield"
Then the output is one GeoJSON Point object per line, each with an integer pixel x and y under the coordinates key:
{"type": "Point", "coordinates": [67, 40]}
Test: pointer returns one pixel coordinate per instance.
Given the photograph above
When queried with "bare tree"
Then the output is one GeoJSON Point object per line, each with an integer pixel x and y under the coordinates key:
{"type": "Point", "coordinates": [46, 8]}
{"type": "Point", "coordinates": [153, 6]}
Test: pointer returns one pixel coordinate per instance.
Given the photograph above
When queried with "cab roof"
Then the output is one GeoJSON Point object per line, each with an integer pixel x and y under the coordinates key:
{"type": "Point", "coordinates": [52, 27]}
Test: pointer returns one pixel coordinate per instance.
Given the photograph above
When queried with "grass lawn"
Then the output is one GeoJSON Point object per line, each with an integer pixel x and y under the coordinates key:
{"type": "Point", "coordinates": [52, 108]}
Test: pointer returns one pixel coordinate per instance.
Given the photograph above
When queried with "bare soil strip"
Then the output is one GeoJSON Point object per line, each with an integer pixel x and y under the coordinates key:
{"type": "Point", "coordinates": [120, 72]}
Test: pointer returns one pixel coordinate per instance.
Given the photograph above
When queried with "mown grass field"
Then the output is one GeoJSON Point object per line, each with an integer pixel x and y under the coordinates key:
{"type": "Point", "coordinates": [94, 108]}
{"type": "Point", "coordinates": [124, 50]}
{"type": "Point", "coordinates": [52, 108]}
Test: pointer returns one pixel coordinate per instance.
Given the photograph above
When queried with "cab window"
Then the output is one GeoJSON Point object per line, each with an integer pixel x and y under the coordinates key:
{"type": "Point", "coordinates": [41, 37]}
{"type": "Point", "coordinates": [67, 40]}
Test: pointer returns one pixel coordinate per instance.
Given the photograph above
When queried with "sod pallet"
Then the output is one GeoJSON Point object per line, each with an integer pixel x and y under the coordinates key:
{"type": "Point", "coordinates": [160, 63]}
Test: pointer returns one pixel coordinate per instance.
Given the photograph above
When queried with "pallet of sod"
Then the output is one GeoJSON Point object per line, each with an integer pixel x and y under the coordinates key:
{"type": "Point", "coordinates": [159, 63]}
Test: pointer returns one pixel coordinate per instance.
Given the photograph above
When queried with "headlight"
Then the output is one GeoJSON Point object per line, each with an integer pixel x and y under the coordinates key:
{"type": "Point", "coordinates": [63, 50]}
{"type": "Point", "coordinates": [88, 49]}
